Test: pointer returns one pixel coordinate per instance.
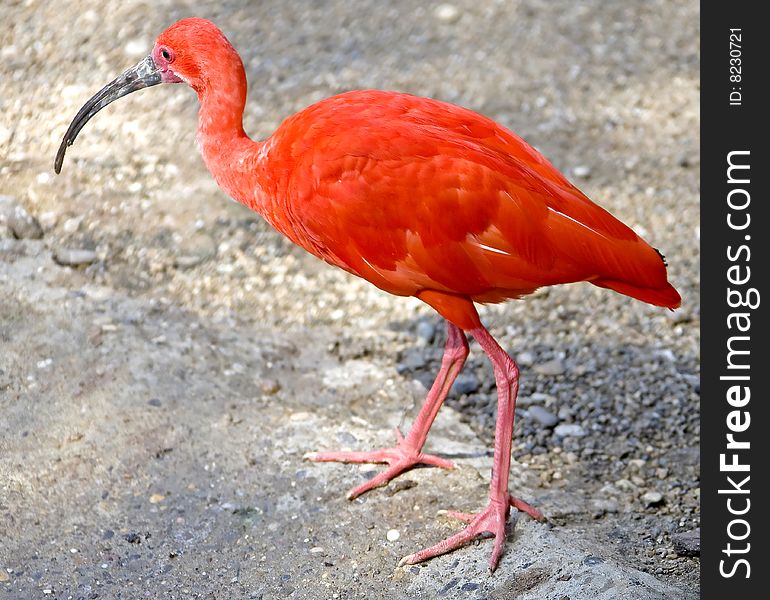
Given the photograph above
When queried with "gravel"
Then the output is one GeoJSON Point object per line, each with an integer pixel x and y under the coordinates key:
{"type": "Point", "coordinates": [17, 221]}
{"type": "Point", "coordinates": [687, 543]}
{"type": "Point", "coordinates": [193, 301]}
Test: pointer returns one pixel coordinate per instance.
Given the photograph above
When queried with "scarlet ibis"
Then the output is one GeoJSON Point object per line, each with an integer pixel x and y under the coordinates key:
{"type": "Point", "coordinates": [419, 197]}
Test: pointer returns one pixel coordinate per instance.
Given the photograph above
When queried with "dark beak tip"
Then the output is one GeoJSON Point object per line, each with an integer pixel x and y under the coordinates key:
{"type": "Point", "coordinates": [57, 164]}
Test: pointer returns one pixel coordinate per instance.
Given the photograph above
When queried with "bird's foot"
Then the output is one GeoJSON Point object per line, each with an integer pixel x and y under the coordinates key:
{"type": "Point", "coordinates": [491, 520]}
{"type": "Point", "coordinates": [399, 459]}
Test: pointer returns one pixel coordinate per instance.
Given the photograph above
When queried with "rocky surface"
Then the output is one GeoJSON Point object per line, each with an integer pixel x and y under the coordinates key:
{"type": "Point", "coordinates": [166, 359]}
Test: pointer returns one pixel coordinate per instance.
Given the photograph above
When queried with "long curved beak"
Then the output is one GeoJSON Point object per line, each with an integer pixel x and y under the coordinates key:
{"type": "Point", "coordinates": [142, 75]}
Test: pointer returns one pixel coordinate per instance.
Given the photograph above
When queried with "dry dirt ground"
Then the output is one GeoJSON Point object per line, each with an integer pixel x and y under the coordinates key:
{"type": "Point", "coordinates": [159, 387]}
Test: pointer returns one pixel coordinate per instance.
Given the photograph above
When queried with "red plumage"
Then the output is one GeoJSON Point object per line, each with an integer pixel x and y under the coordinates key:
{"type": "Point", "coordinates": [415, 194]}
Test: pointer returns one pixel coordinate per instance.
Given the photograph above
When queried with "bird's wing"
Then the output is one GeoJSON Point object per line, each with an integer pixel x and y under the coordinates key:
{"type": "Point", "coordinates": [417, 194]}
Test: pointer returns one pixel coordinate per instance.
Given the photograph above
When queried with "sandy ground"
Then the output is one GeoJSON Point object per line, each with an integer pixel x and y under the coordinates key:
{"type": "Point", "coordinates": [156, 400]}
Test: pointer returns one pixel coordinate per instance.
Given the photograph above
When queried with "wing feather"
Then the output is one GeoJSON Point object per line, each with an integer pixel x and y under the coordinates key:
{"type": "Point", "coordinates": [417, 194]}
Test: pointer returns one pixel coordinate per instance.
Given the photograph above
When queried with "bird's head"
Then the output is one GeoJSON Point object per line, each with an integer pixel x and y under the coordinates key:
{"type": "Point", "coordinates": [196, 52]}
{"type": "Point", "coordinates": [192, 51]}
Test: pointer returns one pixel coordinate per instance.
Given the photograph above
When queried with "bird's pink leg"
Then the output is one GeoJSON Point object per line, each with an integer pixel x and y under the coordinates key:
{"type": "Point", "coordinates": [494, 517]}
{"type": "Point", "coordinates": [408, 450]}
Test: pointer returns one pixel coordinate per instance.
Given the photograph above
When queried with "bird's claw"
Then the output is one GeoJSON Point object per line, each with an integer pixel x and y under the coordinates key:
{"type": "Point", "coordinates": [400, 458]}
{"type": "Point", "coordinates": [491, 520]}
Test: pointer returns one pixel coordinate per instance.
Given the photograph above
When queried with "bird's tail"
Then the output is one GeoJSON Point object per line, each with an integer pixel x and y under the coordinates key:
{"type": "Point", "coordinates": [665, 296]}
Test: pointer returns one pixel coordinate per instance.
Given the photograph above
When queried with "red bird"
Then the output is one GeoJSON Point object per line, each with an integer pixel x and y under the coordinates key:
{"type": "Point", "coordinates": [420, 198]}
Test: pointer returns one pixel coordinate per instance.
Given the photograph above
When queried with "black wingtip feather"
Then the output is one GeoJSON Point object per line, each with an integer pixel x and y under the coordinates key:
{"type": "Point", "coordinates": [663, 258]}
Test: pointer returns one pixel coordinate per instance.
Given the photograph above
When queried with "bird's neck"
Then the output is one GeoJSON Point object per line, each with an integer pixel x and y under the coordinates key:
{"type": "Point", "coordinates": [230, 155]}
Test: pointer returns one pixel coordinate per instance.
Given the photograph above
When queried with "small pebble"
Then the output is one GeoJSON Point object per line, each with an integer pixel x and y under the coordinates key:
{"type": "Point", "coordinates": [542, 416]}
{"type": "Point", "coordinates": [392, 535]}
{"type": "Point", "coordinates": [687, 543]}
{"type": "Point", "coordinates": [551, 368]}
{"type": "Point", "coordinates": [400, 486]}
{"type": "Point", "coordinates": [524, 401]}
{"type": "Point", "coordinates": [25, 227]}
{"type": "Point", "coordinates": [535, 398]}
{"type": "Point", "coordinates": [447, 13]}
{"type": "Point", "coordinates": [194, 250]}
{"type": "Point", "coordinates": [652, 498]}
{"type": "Point", "coordinates": [582, 171]}
{"type": "Point", "coordinates": [624, 485]}
{"type": "Point", "coordinates": [525, 359]}
{"type": "Point", "coordinates": [569, 430]}
{"type": "Point", "coordinates": [48, 219]}
{"type": "Point", "coordinates": [412, 360]}
{"type": "Point", "coordinates": [155, 498]}
{"type": "Point", "coordinates": [426, 330]}
{"type": "Point", "coordinates": [71, 225]}
{"type": "Point", "coordinates": [466, 384]}
{"type": "Point", "coordinates": [73, 257]}
{"type": "Point", "coordinates": [15, 218]}
{"type": "Point", "coordinates": [188, 261]}
{"type": "Point", "coordinates": [346, 438]}
{"type": "Point", "coordinates": [542, 398]}
{"type": "Point", "coordinates": [300, 416]}
{"type": "Point", "coordinates": [602, 506]}
{"type": "Point", "coordinates": [269, 387]}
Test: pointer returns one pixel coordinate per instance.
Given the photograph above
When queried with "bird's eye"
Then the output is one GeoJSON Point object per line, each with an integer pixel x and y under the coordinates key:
{"type": "Point", "coordinates": [166, 54]}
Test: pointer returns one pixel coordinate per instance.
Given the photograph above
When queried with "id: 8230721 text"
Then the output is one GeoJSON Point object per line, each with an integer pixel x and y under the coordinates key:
{"type": "Point", "coordinates": [736, 67]}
